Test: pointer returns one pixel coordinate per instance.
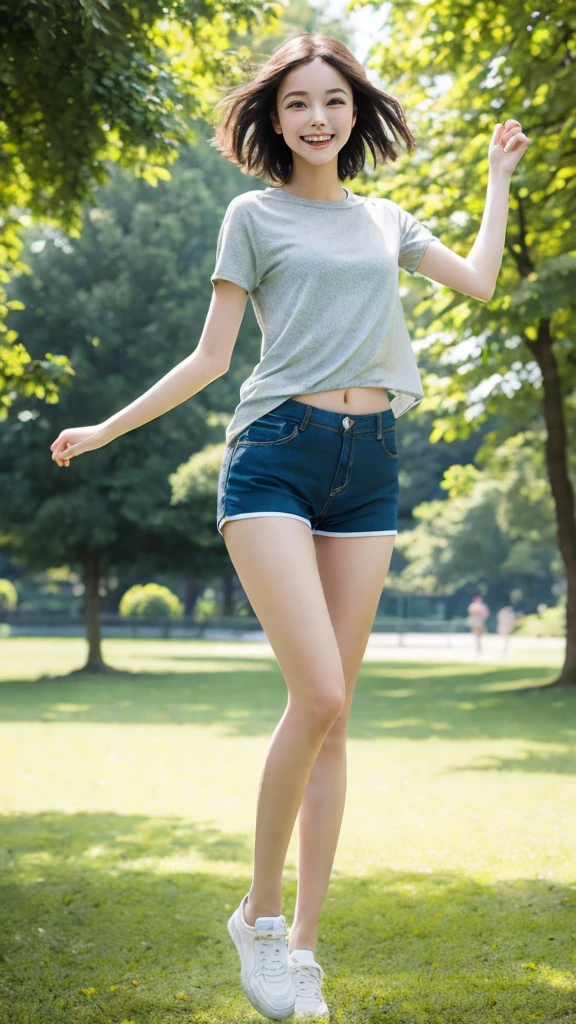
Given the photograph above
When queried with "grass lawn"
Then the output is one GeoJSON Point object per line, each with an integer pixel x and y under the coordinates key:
{"type": "Point", "coordinates": [127, 812]}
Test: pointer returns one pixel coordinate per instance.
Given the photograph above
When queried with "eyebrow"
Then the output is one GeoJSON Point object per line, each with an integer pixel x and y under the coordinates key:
{"type": "Point", "coordinates": [302, 92]}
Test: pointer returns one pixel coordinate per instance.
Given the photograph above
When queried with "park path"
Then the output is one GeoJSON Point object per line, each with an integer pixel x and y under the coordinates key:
{"type": "Point", "coordinates": [450, 647]}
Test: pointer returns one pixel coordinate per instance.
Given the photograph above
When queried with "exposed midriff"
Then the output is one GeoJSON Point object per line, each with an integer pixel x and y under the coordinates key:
{"type": "Point", "coordinates": [353, 400]}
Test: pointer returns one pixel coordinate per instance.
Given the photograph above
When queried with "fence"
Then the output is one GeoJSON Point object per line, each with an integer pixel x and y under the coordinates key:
{"type": "Point", "coordinates": [112, 625]}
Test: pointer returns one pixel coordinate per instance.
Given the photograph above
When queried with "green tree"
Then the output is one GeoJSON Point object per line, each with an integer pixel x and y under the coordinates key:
{"type": "Point", "coordinates": [494, 531]}
{"type": "Point", "coordinates": [457, 70]}
{"type": "Point", "coordinates": [194, 493]}
{"type": "Point", "coordinates": [83, 86]}
{"type": "Point", "coordinates": [127, 301]}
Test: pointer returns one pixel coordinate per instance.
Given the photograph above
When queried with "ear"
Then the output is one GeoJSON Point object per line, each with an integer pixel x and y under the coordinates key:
{"type": "Point", "coordinates": [275, 122]}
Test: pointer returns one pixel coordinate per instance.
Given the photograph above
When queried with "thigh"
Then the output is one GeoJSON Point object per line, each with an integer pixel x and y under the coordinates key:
{"type": "Point", "coordinates": [275, 560]}
{"type": "Point", "coordinates": [353, 571]}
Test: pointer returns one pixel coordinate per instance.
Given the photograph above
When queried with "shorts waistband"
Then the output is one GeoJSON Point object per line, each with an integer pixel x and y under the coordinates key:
{"type": "Point", "coordinates": [304, 414]}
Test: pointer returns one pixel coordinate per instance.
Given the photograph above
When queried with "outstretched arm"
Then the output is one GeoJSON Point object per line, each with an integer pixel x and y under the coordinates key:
{"type": "Point", "coordinates": [209, 360]}
{"type": "Point", "coordinates": [476, 275]}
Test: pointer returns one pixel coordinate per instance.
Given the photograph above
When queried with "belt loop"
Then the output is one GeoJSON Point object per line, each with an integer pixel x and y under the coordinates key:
{"type": "Point", "coordinates": [306, 417]}
{"type": "Point", "coordinates": [379, 425]}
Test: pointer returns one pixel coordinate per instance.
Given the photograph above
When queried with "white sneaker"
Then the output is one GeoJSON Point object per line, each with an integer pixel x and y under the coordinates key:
{"type": "Point", "coordinates": [265, 973]}
{"type": "Point", "coordinates": [308, 980]}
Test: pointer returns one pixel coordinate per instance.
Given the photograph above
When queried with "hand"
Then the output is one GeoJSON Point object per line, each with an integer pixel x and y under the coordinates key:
{"type": "Point", "coordinates": [511, 135]}
{"type": "Point", "coordinates": [76, 440]}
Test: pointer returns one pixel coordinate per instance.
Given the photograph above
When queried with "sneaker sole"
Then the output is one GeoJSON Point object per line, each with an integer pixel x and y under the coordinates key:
{"type": "Point", "coordinates": [272, 1012]}
{"type": "Point", "coordinates": [308, 1015]}
{"type": "Point", "coordinates": [311, 1016]}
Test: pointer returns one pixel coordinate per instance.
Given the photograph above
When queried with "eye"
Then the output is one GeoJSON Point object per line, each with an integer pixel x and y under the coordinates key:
{"type": "Point", "coordinates": [333, 100]}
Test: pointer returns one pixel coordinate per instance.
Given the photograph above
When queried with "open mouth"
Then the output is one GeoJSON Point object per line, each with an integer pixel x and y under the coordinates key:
{"type": "Point", "coordinates": [318, 145]}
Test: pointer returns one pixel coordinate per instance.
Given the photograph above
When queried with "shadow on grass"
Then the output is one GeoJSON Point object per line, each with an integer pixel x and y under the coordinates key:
{"type": "Point", "coordinates": [102, 922]}
{"type": "Point", "coordinates": [245, 696]}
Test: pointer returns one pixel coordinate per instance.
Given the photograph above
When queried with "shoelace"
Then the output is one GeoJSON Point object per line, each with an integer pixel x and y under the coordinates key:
{"type": "Point", "coordinates": [269, 946]}
{"type": "Point", "coordinates": [308, 978]}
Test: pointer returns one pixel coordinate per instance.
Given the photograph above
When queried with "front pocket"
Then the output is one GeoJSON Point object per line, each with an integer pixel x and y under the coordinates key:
{"type": "Point", "coordinates": [388, 442]}
{"type": "Point", "coordinates": [225, 468]}
{"type": "Point", "coordinates": [267, 433]}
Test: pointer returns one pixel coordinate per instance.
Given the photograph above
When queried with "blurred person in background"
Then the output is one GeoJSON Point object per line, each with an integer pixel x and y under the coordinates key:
{"type": "Point", "coordinates": [478, 612]}
{"type": "Point", "coordinates": [506, 620]}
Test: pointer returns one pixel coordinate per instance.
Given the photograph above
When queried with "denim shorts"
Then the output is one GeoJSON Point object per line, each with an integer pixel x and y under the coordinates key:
{"type": "Point", "coordinates": [336, 473]}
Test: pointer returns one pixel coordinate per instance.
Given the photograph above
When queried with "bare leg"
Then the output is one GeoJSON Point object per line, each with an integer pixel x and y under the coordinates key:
{"type": "Point", "coordinates": [294, 748]}
{"type": "Point", "coordinates": [319, 824]}
{"type": "Point", "coordinates": [276, 563]}
{"type": "Point", "coordinates": [353, 571]}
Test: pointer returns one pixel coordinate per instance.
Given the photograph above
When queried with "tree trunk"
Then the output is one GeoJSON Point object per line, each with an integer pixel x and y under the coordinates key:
{"type": "Point", "coordinates": [191, 589]}
{"type": "Point", "coordinates": [91, 563]}
{"type": "Point", "coordinates": [562, 490]}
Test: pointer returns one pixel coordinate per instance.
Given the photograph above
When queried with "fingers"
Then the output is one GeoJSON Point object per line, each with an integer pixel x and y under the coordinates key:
{"type": "Point", "coordinates": [57, 448]}
{"type": "Point", "coordinates": [519, 137]}
{"type": "Point", "coordinates": [509, 135]}
{"type": "Point", "coordinates": [512, 133]}
{"type": "Point", "coordinates": [63, 457]}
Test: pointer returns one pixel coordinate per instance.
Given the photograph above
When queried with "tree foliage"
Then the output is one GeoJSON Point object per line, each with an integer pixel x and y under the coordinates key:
{"type": "Point", "coordinates": [458, 70]}
{"type": "Point", "coordinates": [84, 86]}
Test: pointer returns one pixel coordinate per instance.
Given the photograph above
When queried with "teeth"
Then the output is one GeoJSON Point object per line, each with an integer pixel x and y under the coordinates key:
{"type": "Point", "coordinates": [316, 138]}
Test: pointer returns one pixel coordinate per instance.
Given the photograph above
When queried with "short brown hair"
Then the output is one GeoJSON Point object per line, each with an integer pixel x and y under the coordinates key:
{"type": "Point", "coordinates": [245, 134]}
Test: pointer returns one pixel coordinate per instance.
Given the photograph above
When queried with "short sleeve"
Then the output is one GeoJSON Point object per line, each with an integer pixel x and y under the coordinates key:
{"type": "Point", "coordinates": [414, 238]}
{"type": "Point", "coordinates": [235, 253]}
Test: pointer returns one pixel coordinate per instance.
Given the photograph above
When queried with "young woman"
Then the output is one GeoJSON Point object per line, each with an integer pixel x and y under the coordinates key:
{"type": "Point", "coordinates": [308, 487]}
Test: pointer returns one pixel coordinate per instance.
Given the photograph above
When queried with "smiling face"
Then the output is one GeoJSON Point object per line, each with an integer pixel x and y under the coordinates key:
{"type": "Point", "coordinates": [314, 99]}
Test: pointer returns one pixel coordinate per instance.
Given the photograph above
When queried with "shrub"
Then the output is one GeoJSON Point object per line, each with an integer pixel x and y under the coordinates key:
{"type": "Point", "coordinates": [151, 600]}
{"type": "Point", "coordinates": [550, 622]}
{"type": "Point", "coordinates": [8, 597]}
{"type": "Point", "coordinates": [206, 606]}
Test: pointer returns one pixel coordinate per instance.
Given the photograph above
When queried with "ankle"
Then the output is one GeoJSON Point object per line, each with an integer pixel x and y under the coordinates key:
{"type": "Point", "coordinates": [254, 910]}
{"type": "Point", "coordinates": [302, 941]}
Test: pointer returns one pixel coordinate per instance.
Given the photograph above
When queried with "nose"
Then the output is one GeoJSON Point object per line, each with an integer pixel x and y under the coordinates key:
{"type": "Point", "coordinates": [319, 118]}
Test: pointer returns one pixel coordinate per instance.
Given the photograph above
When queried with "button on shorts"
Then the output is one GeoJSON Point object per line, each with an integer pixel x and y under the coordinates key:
{"type": "Point", "coordinates": [336, 473]}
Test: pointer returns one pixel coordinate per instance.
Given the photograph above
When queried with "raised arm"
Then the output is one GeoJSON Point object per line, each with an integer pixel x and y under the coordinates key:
{"type": "Point", "coordinates": [476, 275]}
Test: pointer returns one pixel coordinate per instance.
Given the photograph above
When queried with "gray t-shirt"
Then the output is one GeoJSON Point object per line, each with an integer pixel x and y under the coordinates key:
{"type": "Point", "coordinates": [323, 281]}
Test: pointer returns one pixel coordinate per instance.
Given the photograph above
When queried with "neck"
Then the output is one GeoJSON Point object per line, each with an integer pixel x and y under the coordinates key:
{"type": "Point", "coordinates": [322, 186]}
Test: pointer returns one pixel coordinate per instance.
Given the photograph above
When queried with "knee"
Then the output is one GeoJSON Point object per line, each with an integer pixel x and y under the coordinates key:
{"type": "Point", "coordinates": [324, 707]}
{"type": "Point", "coordinates": [337, 734]}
